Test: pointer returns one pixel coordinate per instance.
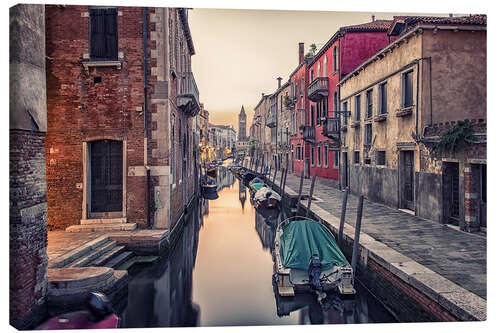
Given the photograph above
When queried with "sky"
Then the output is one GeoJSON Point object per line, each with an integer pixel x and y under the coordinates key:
{"type": "Point", "coordinates": [240, 53]}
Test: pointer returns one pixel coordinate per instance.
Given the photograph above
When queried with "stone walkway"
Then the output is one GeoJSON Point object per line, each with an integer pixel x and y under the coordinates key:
{"type": "Point", "coordinates": [61, 242]}
{"type": "Point", "coordinates": [458, 256]}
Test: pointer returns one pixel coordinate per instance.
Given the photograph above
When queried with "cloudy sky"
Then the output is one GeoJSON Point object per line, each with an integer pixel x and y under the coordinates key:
{"type": "Point", "coordinates": [240, 53]}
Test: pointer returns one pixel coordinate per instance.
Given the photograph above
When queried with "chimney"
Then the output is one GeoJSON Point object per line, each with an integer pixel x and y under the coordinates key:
{"type": "Point", "coordinates": [279, 81]}
{"type": "Point", "coordinates": [373, 18]}
{"type": "Point", "coordinates": [263, 95]}
{"type": "Point", "coordinates": [301, 52]}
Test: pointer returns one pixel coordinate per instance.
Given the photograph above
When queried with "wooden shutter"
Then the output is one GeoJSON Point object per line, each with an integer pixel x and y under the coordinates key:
{"type": "Point", "coordinates": [111, 33]}
{"type": "Point", "coordinates": [103, 34]}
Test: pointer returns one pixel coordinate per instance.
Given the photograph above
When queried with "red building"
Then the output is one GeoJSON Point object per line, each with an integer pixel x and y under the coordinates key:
{"type": "Point", "coordinates": [320, 134]}
{"type": "Point", "coordinates": [299, 81]}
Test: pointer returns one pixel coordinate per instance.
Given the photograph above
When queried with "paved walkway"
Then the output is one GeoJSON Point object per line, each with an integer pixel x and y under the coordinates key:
{"type": "Point", "coordinates": [458, 256]}
{"type": "Point", "coordinates": [61, 242]}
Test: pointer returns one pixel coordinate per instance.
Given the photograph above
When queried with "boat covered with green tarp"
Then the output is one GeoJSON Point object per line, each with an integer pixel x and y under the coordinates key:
{"type": "Point", "coordinates": [303, 238]}
{"type": "Point", "coordinates": [307, 257]}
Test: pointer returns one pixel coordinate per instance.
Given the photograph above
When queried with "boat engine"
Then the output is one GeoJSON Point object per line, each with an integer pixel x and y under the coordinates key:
{"type": "Point", "coordinates": [315, 272]}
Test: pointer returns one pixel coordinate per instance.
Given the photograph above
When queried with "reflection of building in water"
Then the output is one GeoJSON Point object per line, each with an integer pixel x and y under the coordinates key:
{"type": "Point", "coordinates": [225, 178]}
{"type": "Point", "coordinates": [242, 193]}
{"type": "Point", "coordinates": [203, 209]}
{"type": "Point", "coordinates": [161, 296]}
{"type": "Point", "coordinates": [266, 229]}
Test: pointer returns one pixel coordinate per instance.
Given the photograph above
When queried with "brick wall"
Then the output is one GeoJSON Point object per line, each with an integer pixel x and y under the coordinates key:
{"type": "Point", "coordinates": [78, 109]}
{"type": "Point", "coordinates": [28, 235]}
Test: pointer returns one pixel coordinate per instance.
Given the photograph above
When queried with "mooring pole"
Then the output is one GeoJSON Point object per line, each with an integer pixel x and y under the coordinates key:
{"type": "Point", "coordinates": [261, 166]}
{"type": "Point", "coordinates": [284, 183]}
{"type": "Point", "coordinates": [300, 192]}
{"type": "Point", "coordinates": [354, 260]}
{"type": "Point", "coordinates": [275, 171]}
{"type": "Point", "coordinates": [281, 179]}
{"type": "Point", "coordinates": [311, 191]}
{"type": "Point", "coordinates": [342, 217]}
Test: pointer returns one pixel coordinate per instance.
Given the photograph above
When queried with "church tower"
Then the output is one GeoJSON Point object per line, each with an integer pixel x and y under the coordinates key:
{"type": "Point", "coordinates": [242, 125]}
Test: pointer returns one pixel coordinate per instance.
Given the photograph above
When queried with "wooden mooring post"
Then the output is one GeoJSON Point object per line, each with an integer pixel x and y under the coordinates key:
{"type": "Point", "coordinates": [311, 191]}
{"type": "Point", "coordinates": [300, 193]}
{"type": "Point", "coordinates": [354, 260]}
{"type": "Point", "coordinates": [282, 191]}
{"type": "Point", "coordinates": [342, 217]}
{"type": "Point", "coordinates": [275, 171]}
{"type": "Point", "coordinates": [261, 166]}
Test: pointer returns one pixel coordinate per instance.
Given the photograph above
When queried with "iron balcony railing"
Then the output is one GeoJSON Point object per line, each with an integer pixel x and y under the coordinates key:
{"type": "Point", "coordinates": [271, 119]}
{"type": "Point", "coordinates": [331, 128]}
{"type": "Point", "coordinates": [308, 133]}
{"type": "Point", "coordinates": [188, 97]}
{"type": "Point", "coordinates": [318, 89]}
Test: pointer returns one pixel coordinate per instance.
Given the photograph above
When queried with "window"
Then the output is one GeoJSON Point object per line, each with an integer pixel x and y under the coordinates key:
{"type": "Point", "coordinates": [357, 116]}
{"type": "Point", "coordinates": [369, 104]}
{"type": "Point", "coordinates": [311, 78]}
{"type": "Point", "coordinates": [345, 113]}
{"type": "Point", "coordinates": [368, 161]}
{"type": "Point", "coordinates": [172, 135]}
{"type": "Point", "coordinates": [335, 101]}
{"type": "Point", "coordinates": [103, 33]}
{"type": "Point", "coordinates": [319, 156]}
{"type": "Point", "coordinates": [368, 135]}
{"type": "Point", "coordinates": [312, 155]}
{"type": "Point", "coordinates": [380, 159]}
{"type": "Point", "coordinates": [334, 59]}
{"type": "Point", "coordinates": [302, 87]}
{"type": "Point", "coordinates": [318, 113]}
{"type": "Point", "coordinates": [382, 98]}
{"type": "Point", "coordinates": [324, 66]}
{"type": "Point", "coordinates": [336, 161]}
{"type": "Point", "coordinates": [325, 155]}
{"type": "Point", "coordinates": [407, 89]}
{"type": "Point", "coordinates": [318, 69]}
{"type": "Point", "coordinates": [356, 157]}
{"type": "Point", "coordinates": [312, 116]}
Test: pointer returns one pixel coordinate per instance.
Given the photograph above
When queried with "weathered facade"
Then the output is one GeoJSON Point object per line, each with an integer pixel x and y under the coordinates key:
{"type": "Point", "coordinates": [121, 144]}
{"type": "Point", "coordinates": [27, 181]}
{"type": "Point", "coordinates": [260, 134]}
{"type": "Point", "coordinates": [429, 80]}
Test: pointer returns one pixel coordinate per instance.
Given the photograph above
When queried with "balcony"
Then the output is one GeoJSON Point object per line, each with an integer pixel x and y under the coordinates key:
{"type": "Point", "coordinates": [188, 97]}
{"type": "Point", "coordinates": [331, 128]}
{"type": "Point", "coordinates": [318, 89]}
{"type": "Point", "coordinates": [308, 133]}
{"type": "Point", "coordinates": [271, 120]}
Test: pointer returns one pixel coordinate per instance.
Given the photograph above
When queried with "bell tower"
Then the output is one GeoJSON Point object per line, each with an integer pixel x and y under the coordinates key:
{"type": "Point", "coordinates": [242, 125]}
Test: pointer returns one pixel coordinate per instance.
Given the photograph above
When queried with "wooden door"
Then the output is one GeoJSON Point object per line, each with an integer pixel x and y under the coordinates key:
{"type": "Point", "coordinates": [407, 180]}
{"type": "Point", "coordinates": [106, 160]}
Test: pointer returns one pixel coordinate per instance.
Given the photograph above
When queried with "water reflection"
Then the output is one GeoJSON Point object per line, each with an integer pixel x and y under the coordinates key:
{"type": "Point", "coordinates": [220, 273]}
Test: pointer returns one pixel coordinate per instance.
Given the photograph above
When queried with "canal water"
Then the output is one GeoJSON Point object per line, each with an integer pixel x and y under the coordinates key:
{"type": "Point", "coordinates": [220, 274]}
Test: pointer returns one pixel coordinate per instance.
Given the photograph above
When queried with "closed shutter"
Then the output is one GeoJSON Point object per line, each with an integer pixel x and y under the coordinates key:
{"type": "Point", "coordinates": [103, 34]}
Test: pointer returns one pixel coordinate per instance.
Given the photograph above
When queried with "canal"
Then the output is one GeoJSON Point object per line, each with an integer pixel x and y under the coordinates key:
{"type": "Point", "coordinates": [220, 274]}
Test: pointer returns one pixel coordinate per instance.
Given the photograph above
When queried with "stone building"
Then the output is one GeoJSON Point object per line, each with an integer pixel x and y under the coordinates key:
{"type": "Point", "coordinates": [260, 134]}
{"type": "Point", "coordinates": [242, 142]}
{"type": "Point", "coordinates": [120, 104]}
{"type": "Point", "coordinates": [402, 101]}
{"type": "Point", "coordinates": [222, 140]}
{"type": "Point", "coordinates": [202, 120]}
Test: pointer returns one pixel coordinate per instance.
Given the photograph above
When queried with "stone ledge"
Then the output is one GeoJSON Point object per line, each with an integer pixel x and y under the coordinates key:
{"type": "Point", "coordinates": [119, 220]}
{"type": "Point", "coordinates": [101, 227]}
{"type": "Point", "coordinates": [78, 252]}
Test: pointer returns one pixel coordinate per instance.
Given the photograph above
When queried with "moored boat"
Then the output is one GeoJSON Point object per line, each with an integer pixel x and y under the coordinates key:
{"type": "Point", "coordinates": [208, 188]}
{"type": "Point", "coordinates": [307, 258]}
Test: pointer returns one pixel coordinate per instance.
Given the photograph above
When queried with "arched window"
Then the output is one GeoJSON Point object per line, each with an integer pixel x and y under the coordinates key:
{"type": "Point", "coordinates": [335, 66]}
{"type": "Point", "coordinates": [324, 67]}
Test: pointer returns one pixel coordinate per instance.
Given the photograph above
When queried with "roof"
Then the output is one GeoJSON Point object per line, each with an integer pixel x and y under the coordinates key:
{"type": "Point", "coordinates": [261, 99]}
{"type": "Point", "coordinates": [412, 25]}
{"type": "Point", "coordinates": [374, 26]}
{"type": "Point", "coordinates": [401, 24]}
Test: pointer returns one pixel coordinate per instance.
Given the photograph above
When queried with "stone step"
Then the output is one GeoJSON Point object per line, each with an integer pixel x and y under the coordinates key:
{"type": "Point", "coordinates": [93, 255]}
{"type": "Point", "coordinates": [77, 253]}
{"type": "Point", "coordinates": [102, 227]}
{"type": "Point", "coordinates": [119, 220]}
{"type": "Point", "coordinates": [105, 257]}
{"type": "Point", "coordinates": [120, 259]}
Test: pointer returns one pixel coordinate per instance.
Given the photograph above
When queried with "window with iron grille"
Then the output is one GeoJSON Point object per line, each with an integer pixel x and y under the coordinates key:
{"type": "Point", "coordinates": [345, 113]}
{"type": "Point", "coordinates": [356, 157]}
{"type": "Point", "coordinates": [357, 105]}
{"type": "Point", "coordinates": [336, 161]}
{"type": "Point", "coordinates": [369, 104]}
{"type": "Point", "coordinates": [312, 155]}
{"type": "Point", "coordinates": [103, 33]}
{"type": "Point", "coordinates": [311, 78]}
{"type": "Point", "coordinates": [380, 160]}
{"type": "Point", "coordinates": [319, 156]}
{"type": "Point", "coordinates": [382, 98]}
{"type": "Point", "coordinates": [335, 59]}
{"type": "Point", "coordinates": [407, 89]}
{"type": "Point", "coordinates": [368, 135]}
{"type": "Point", "coordinates": [325, 155]}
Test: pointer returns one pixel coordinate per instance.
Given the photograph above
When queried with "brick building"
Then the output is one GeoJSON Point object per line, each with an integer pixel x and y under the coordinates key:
{"type": "Point", "coordinates": [430, 80]}
{"type": "Point", "coordinates": [121, 143]}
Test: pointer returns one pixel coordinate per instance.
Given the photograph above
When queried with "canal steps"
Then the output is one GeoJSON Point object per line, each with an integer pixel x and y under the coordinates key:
{"type": "Point", "coordinates": [102, 251]}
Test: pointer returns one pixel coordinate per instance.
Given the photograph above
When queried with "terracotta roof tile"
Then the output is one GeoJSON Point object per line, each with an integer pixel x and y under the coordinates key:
{"type": "Point", "coordinates": [378, 25]}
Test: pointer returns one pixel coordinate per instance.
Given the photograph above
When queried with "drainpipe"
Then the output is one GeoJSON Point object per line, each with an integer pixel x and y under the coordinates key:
{"type": "Point", "coordinates": [416, 106]}
{"type": "Point", "coordinates": [145, 69]}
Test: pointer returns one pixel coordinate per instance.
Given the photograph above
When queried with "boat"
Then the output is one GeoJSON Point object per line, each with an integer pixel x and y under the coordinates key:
{"type": "Point", "coordinates": [98, 315]}
{"type": "Point", "coordinates": [308, 259]}
{"type": "Point", "coordinates": [211, 171]}
{"type": "Point", "coordinates": [208, 188]}
{"type": "Point", "coordinates": [265, 197]}
{"type": "Point", "coordinates": [255, 184]}
{"type": "Point", "coordinates": [248, 176]}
